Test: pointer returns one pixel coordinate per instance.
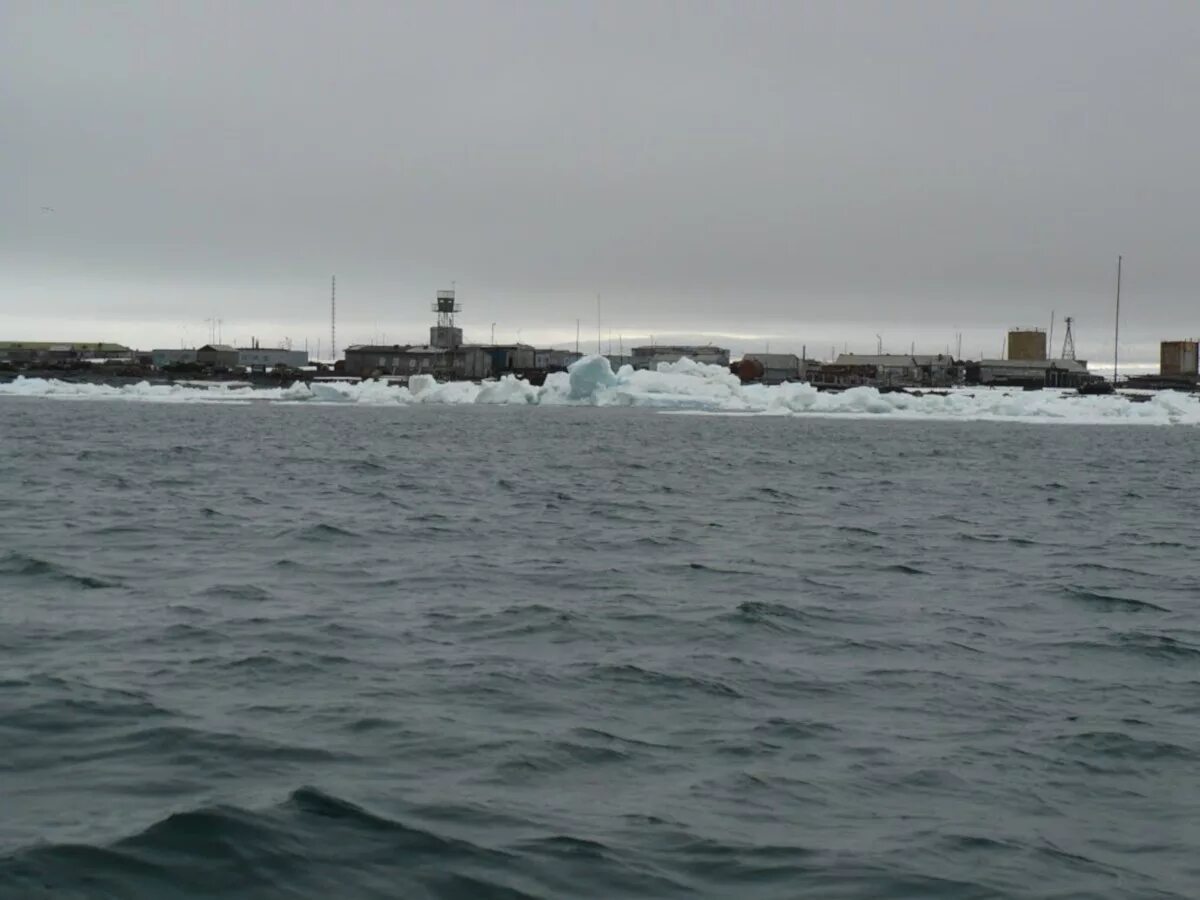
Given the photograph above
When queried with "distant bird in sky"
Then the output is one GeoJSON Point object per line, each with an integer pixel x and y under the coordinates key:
{"type": "Point", "coordinates": [47, 209]}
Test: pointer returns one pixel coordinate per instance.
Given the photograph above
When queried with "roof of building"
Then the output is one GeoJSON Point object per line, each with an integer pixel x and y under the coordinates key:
{"type": "Point", "coordinates": [220, 348]}
{"type": "Point", "coordinates": [679, 348]}
{"type": "Point", "coordinates": [774, 359]}
{"type": "Point", "coordinates": [893, 359]}
{"type": "Point", "coordinates": [1067, 365]}
{"type": "Point", "coordinates": [396, 348]}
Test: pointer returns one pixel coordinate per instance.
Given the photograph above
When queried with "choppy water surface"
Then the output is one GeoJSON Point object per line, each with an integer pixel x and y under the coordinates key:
{"type": "Point", "coordinates": [272, 651]}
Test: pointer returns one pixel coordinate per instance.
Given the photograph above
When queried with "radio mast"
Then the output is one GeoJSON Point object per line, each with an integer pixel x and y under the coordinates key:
{"type": "Point", "coordinates": [333, 319]}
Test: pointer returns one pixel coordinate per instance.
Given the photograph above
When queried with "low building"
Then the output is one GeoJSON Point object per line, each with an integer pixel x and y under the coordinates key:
{"type": "Point", "coordinates": [470, 362]}
{"type": "Point", "coordinates": [52, 352]}
{"type": "Point", "coordinates": [165, 357]}
{"type": "Point", "coordinates": [903, 370]}
{"type": "Point", "coordinates": [650, 357]}
{"type": "Point", "coordinates": [554, 360]}
{"type": "Point", "coordinates": [218, 356]}
{"type": "Point", "coordinates": [510, 357]}
{"type": "Point", "coordinates": [778, 367]}
{"type": "Point", "coordinates": [270, 357]}
{"type": "Point", "coordinates": [1031, 373]}
{"type": "Point", "coordinates": [373, 360]}
{"type": "Point", "coordinates": [841, 375]}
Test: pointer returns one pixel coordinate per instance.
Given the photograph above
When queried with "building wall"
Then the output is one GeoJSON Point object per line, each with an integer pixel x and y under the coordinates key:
{"type": "Point", "coordinates": [472, 363]}
{"type": "Point", "coordinates": [1052, 373]}
{"type": "Point", "coordinates": [171, 357]}
{"type": "Point", "coordinates": [777, 367]}
{"type": "Point", "coordinates": [1027, 344]}
{"type": "Point", "coordinates": [507, 357]}
{"type": "Point", "coordinates": [554, 359]}
{"type": "Point", "coordinates": [448, 337]}
{"type": "Point", "coordinates": [1178, 358]}
{"type": "Point", "coordinates": [269, 357]}
{"type": "Point", "coordinates": [218, 357]}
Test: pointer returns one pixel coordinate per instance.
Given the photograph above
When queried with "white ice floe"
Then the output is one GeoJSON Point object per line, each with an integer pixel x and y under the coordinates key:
{"type": "Point", "coordinates": [681, 386]}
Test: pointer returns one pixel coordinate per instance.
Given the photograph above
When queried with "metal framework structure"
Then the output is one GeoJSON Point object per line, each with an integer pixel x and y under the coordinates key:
{"type": "Point", "coordinates": [1068, 350]}
{"type": "Point", "coordinates": [446, 307]}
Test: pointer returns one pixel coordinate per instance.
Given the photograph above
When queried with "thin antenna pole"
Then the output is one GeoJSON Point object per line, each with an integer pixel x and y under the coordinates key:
{"type": "Point", "coordinates": [577, 336]}
{"type": "Point", "coordinates": [1050, 338]}
{"type": "Point", "coordinates": [599, 348]}
{"type": "Point", "coordinates": [333, 318]}
{"type": "Point", "coordinates": [1117, 326]}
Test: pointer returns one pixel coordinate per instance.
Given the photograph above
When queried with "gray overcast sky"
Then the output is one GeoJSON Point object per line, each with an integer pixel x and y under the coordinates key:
{"type": "Point", "coordinates": [794, 172]}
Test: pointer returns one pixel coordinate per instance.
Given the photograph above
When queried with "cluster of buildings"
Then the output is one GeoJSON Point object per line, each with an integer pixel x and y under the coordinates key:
{"type": "Point", "coordinates": [52, 353]}
{"type": "Point", "coordinates": [215, 357]}
{"type": "Point", "coordinates": [1025, 363]}
{"type": "Point", "coordinates": [447, 357]}
{"type": "Point", "coordinates": [222, 357]}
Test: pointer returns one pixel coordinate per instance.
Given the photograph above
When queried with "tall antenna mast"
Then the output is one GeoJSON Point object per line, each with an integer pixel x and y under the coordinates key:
{"type": "Point", "coordinates": [333, 318]}
{"type": "Point", "coordinates": [576, 335]}
{"type": "Point", "coordinates": [1068, 350]}
{"type": "Point", "coordinates": [1117, 326]}
{"type": "Point", "coordinates": [599, 348]}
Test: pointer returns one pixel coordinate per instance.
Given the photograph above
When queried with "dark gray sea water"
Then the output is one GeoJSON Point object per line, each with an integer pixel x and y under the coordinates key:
{"type": "Point", "coordinates": [295, 651]}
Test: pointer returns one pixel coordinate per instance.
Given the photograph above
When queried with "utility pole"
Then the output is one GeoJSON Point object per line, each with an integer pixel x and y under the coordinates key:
{"type": "Point", "coordinates": [577, 336]}
{"type": "Point", "coordinates": [493, 334]}
{"type": "Point", "coordinates": [1117, 327]}
{"type": "Point", "coordinates": [599, 348]}
{"type": "Point", "coordinates": [333, 318]}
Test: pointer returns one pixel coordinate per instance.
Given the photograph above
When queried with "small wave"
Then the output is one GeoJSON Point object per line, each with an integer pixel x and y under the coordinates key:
{"type": "Point", "coordinates": [761, 613]}
{"type": "Point", "coordinates": [855, 529]}
{"type": "Point", "coordinates": [561, 756]}
{"type": "Point", "coordinates": [1119, 745]}
{"type": "Point", "coordinates": [904, 569]}
{"type": "Point", "coordinates": [98, 709]}
{"type": "Point", "coordinates": [24, 566]}
{"type": "Point", "coordinates": [323, 531]}
{"type": "Point", "coordinates": [249, 593]}
{"type": "Point", "coordinates": [304, 847]}
{"type": "Point", "coordinates": [794, 729]}
{"type": "Point", "coordinates": [1159, 645]}
{"type": "Point", "coordinates": [633, 674]}
{"type": "Point", "coordinates": [1112, 602]}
